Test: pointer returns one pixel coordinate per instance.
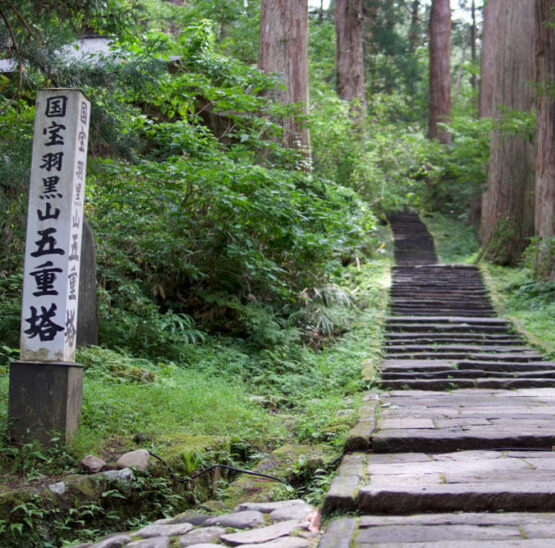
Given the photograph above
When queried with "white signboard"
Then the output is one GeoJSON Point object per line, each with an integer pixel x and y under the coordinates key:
{"type": "Point", "coordinates": [54, 225]}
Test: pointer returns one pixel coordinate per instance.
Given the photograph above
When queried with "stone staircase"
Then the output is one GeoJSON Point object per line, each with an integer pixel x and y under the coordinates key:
{"type": "Point", "coordinates": [462, 429]}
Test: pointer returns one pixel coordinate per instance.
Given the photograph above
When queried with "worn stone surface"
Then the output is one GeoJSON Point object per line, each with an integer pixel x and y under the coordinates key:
{"type": "Point", "coordinates": [202, 535]}
{"type": "Point", "coordinates": [113, 541]}
{"type": "Point", "coordinates": [157, 542]}
{"type": "Point", "coordinates": [284, 542]}
{"type": "Point", "coordinates": [138, 459]}
{"type": "Point", "coordinates": [170, 530]}
{"type": "Point", "coordinates": [240, 520]}
{"type": "Point", "coordinates": [295, 511]}
{"type": "Point", "coordinates": [339, 534]}
{"type": "Point", "coordinates": [465, 419]}
{"type": "Point", "coordinates": [267, 507]}
{"type": "Point", "coordinates": [190, 516]}
{"type": "Point", "coordinates": [263, 534]}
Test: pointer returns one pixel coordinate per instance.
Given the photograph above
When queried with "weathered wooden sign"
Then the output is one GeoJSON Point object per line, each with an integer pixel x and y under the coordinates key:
{"type": "Point", "coordinates": [54, 226]}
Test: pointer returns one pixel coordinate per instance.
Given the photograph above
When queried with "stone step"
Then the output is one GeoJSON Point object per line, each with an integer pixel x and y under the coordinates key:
{"type": "Point", "coordinates": [455, 382]}
{"type": "Point", "coordinates": [459, 337]}
{"type": "Point", "coordinates": [447, 311]}
{"type": "Point", "coordinates": [419, 420]}
{"type": "Point", "coordinates": [453, 373]}
{"type": "Point", "coordinates": [446, 355]}
{"type": "Point", "coordinates": [391, 340]}
{"type": "Point", "coordinates": [464, 481]}
{"type": "Point", "coordinates": [441, 347]}
{"type": "Point", "coordinates": [448, 328]}
{"type": "Point", "coordinates": [421, 367]}
{"type": "Point", "coordinates": [445, 530]}
{"type": "Point", "coordinates": [454, 320]}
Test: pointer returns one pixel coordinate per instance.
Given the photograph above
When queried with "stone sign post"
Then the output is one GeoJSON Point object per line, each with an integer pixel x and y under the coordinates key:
{"type": "Point", "coordinates": [46, 383]}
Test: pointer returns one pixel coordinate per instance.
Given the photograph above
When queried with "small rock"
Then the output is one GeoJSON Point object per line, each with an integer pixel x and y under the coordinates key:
{"type": "Point", "coordinates": [113, 541]}
{"type": "Point", "coordinates": [264, 534]}
{"type": "Point", "coordinates": [138, 459]}
{"type": "Point", "coordinates": [156, 542]}
{"type": "Point", "coordinates": [204, 545]}
{"type": "Point", "coordinates": [295, 511]}
{"type": "Point", "coordinates": [201, 536]}
{"type": "Point", "coordinates": [125, 474]}
{"type": "Point", "coordinates": [58, 488]}
{"type": "Point", "coordinates": [172, 530]}
{"type": "Point", "coordinates": [92, 464]}
{"type": "Point", "coordinates": [190, 516]}
{"type": "Point", "coordinates": [267, 507]}
{"type": "Point", "coordinates": [238, 520]}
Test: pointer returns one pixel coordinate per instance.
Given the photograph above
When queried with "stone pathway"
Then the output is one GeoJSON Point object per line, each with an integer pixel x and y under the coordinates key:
{"type": "Point", "coordinates": [285, 524]}
{"type": "Point", "coordinates": [470, 466]}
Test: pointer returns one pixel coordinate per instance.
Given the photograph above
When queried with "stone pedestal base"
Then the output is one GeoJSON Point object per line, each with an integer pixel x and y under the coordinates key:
{"type": "Point", "coordinates": [44, 401]}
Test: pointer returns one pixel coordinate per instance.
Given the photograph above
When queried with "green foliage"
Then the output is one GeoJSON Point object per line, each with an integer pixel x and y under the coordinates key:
{"type": "Point", "coordinates": [529, 302]}
{"type": "Point", "coordinates": [462, 249]}
{"type": "Point", "coordinates": [33, 461]}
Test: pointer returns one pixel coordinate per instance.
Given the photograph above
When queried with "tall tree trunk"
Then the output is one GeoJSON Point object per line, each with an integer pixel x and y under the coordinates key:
{"type": "Point", "coordinates": [545, 138]}
{"type": "Point", "coordinates": [349, 54]}
{"type": "Point", "coordinates": [440, 78]}
{"type": "Point", "coordinates": [487, 72]}
{"type": "Point", "coordinates": [284, 50]}
{"type": "Point", "coordinates": [413, 29]}
{"type": "Point", "coordinates": [473, 42]}
{"type": "Point", "coordinates": [508, 204]}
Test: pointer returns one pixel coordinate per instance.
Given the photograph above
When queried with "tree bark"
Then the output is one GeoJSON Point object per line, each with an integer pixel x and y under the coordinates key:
{"type": "Point", "coordinates": [508, 203]}
{"type": "Point", "coordinates": [440, 78]}
{"type": "Point", "coordinates": [545, 139]}
{"type": "Point", "coordinates": [413, 29]}
{"type": "Point", "coordinates": [284, 50]}
{"type": "Point", "coordinates": [473, 43]}
{"type": "Point", "coordinates": [349, 54]}
{"type": "Point", "coordinates": [487, 73]}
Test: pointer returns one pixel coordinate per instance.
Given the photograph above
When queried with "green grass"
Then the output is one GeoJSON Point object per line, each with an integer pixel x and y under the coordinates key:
{"type": "Point", "coordinates": [455, 241]}
{"type": "Point", "coordinates": [529, 303]}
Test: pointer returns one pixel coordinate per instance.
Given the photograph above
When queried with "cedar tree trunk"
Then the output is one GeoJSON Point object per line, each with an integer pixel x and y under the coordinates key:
{"type": "Point", "coordinates": [545, 139]}
{"type": "Point", "coordinates": [349, 54]}
{"type": "Point", "coordinates": [440, 78]}
{"type": "Point", "coordinates": [508, 203]}
{"type": "Point", "coordinates": [284, 51]}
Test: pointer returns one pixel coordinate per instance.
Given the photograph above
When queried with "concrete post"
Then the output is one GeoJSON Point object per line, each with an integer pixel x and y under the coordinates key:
{"type": "Point", "coordinates": [46, 384]}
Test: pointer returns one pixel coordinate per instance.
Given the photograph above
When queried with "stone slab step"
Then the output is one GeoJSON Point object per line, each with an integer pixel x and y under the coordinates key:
{"type": "Point", "coordinates": [415, 420]}
{"type": "Point", "coordinates": [448, 339]}
{"type": "Point", "coordinates": [448, 320]}
{"type": "Point", "coordinates": [457, 383]}
{"type": "Point", "coordinates": [458, 338]}
{"type": "Point", "coordinates": [424, 366]}
{"type": "Point", "coordinates": [446, 312]}
{"type": "Point", "coordinates": [465, 374]}
{"type": "Point", "coordinates": [442, 347]}
{"type": "Point", "coordinates": [445, 530]}
{"type": "Point", "coordinates": [467, 481]}
{"type": "Point", "coordinates": [521, 357]}
{"type": "Point", "coordinates": [448, 328]}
